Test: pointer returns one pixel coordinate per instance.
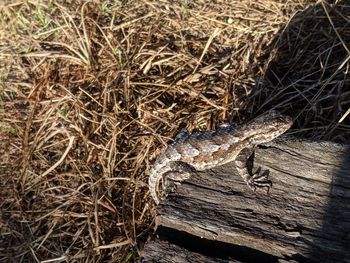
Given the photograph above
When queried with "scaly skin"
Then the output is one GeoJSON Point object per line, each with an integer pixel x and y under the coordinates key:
{"type": "Point", "coordinates": [205, 150]}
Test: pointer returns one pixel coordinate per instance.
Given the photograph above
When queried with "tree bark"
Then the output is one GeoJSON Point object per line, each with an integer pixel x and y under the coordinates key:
{"type": "Point", "coordinates": [305, 216]}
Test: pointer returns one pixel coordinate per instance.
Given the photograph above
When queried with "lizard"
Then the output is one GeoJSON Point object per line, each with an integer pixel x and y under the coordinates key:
{"type": "Point", "coordinates": [199, 151]}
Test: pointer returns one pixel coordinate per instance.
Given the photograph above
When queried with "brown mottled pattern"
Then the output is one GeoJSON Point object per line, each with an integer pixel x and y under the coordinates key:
{"type": "Point", "coordinates": [204, 150]}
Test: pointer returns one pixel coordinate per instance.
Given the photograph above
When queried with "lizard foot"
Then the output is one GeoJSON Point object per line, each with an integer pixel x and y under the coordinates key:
{"type": "Point", "coordinates": [172, 180]}
{"type": "Point", "coordinates": [169, 187]}
{"type": "Point", "coordinates": [260, 180]}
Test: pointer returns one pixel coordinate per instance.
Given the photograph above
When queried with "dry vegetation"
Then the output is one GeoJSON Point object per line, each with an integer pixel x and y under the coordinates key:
{"type": "Point", "coordinates": [91, 91]}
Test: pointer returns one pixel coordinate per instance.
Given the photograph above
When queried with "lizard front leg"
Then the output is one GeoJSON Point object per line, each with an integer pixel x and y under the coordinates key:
{"type": "Point", "coordinates": [253, 180]}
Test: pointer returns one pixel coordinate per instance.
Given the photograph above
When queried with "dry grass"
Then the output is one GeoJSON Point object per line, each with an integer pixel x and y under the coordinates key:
{"type": "Point", "coordinates": [91, 91]}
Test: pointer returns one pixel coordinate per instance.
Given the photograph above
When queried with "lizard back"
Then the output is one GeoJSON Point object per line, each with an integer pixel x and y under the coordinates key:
{"type": "Point", "coordinates": [208, 149]}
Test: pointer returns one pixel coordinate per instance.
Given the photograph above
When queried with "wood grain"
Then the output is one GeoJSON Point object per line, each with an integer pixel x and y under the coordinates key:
{"type": "Point", "coordinates": [306, 215]}
{"type": "Point", "coordinates": [163, 251]}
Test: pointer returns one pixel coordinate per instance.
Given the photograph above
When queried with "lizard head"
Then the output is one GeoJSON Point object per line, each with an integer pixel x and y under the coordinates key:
{"type": "Point", "coordinates": [268, 126]}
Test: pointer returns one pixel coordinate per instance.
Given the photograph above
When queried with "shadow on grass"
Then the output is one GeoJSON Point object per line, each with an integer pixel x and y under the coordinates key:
{"type": "Point", "coordinates": [306, 72]}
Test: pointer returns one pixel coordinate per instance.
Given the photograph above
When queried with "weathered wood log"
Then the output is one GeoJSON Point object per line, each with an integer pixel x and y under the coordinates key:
{"type": "Point", "coordinates": [306, 215]}
{"type": "Point", "coordinates": [163, 251]}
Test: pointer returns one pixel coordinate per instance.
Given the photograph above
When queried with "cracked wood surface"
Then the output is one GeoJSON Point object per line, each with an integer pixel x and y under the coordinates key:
{"type": "Point", "coordinates": [305, 215]}
{"type": "Point", "coordinates": [162, 251]}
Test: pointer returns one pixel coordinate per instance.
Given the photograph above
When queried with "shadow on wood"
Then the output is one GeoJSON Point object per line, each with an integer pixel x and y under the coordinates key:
{"type": "Point", "coordinates": [187, 246]}
{"type": "Point", "coordinates": [334, 234]}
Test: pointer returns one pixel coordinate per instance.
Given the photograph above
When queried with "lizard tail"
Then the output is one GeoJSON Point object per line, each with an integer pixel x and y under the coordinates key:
{"type": "Point", "coordinates": [153, 182]}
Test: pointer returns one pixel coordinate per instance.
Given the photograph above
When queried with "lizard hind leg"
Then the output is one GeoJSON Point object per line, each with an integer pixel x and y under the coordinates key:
{"type": "Point", "coordinates": [261, 179]}
{"type": "Point", "coordinates": [179, 172]}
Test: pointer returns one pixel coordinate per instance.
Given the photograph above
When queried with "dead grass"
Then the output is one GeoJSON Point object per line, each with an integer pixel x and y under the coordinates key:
{"type": "Point", "coordinates": [91, 91]}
